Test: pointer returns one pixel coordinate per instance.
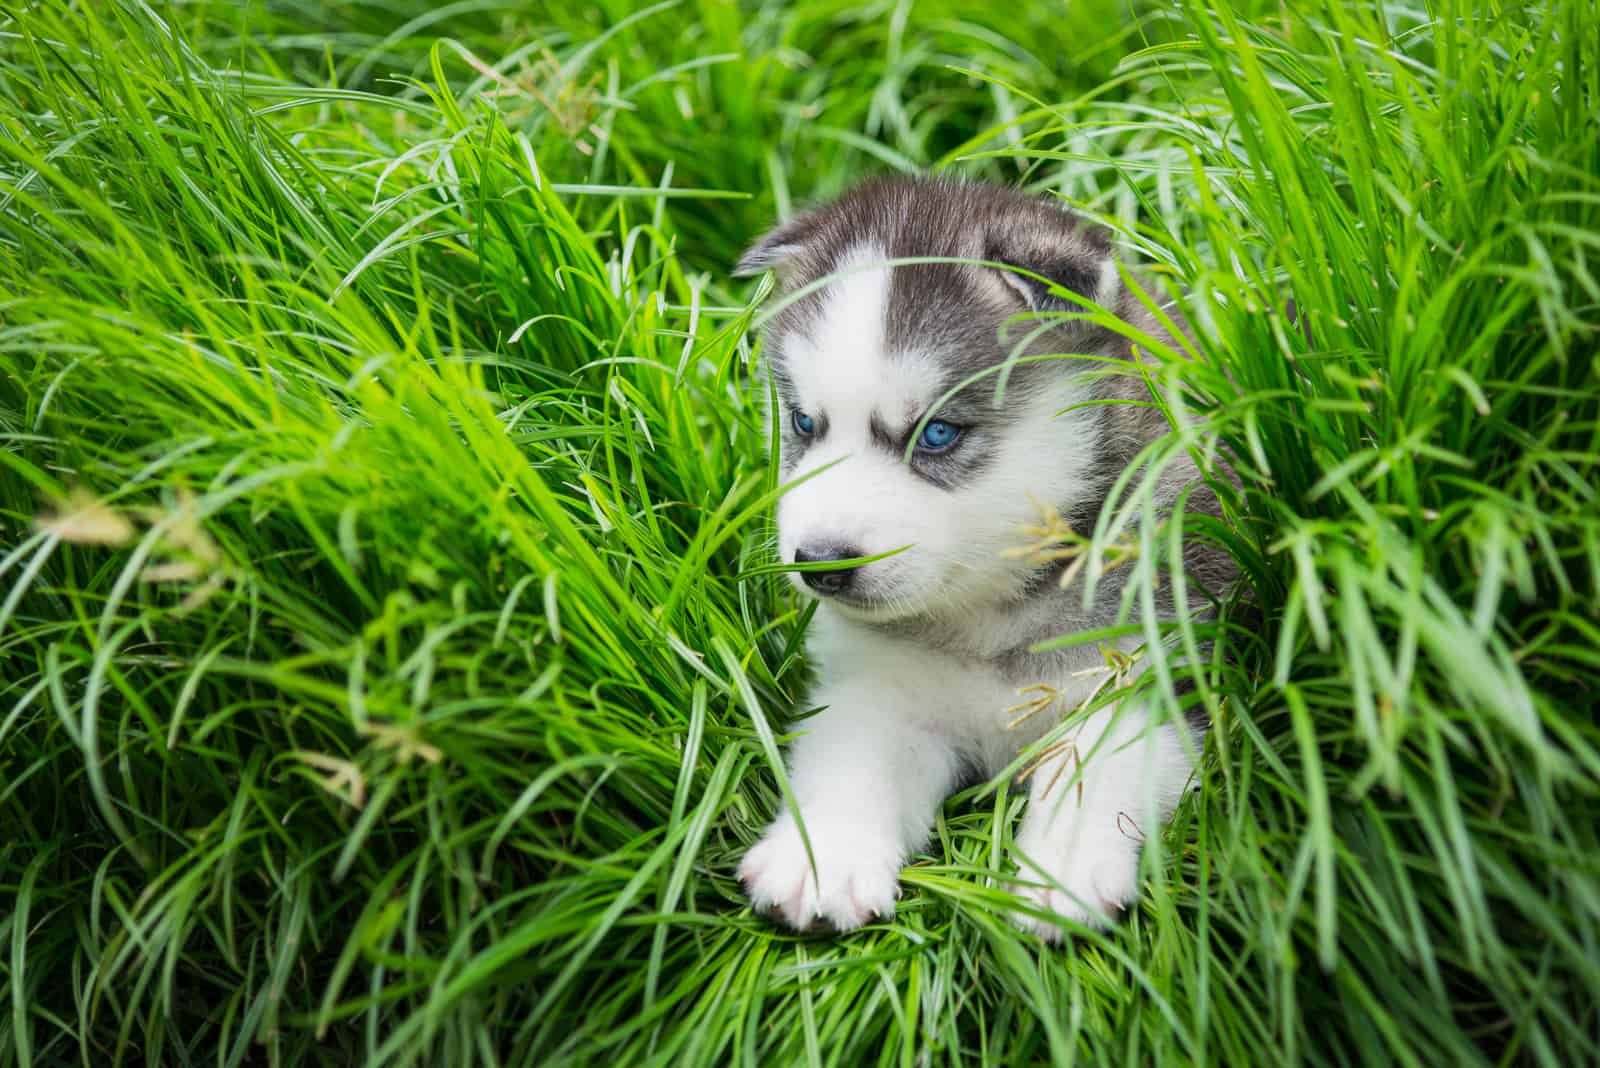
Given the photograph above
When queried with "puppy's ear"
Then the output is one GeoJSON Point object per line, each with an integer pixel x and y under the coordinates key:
{"type": "Point", "coordinates": [1072, 255]}
{"type": "Point", "coordinates": [777, 247]}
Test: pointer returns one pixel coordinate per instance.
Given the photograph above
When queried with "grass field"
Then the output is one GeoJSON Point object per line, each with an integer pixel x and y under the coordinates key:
{"type": "Point", "coordinates": [391, 670]}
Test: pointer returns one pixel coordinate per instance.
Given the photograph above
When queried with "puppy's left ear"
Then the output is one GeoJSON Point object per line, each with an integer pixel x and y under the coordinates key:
{"type": "Point", "coordinates": [777, 247]}
{"type": "Point", "coordinates": [1063, 251]}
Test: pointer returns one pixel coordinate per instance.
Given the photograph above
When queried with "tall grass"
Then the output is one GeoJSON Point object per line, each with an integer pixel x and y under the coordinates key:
{"type": "Point", "coordinates": [390, 670]}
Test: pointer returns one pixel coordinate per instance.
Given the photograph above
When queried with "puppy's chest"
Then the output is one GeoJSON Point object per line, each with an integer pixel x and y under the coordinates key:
{"type": "Point", "coordinates": [1003, 710]}
{"type": "Point", "coordinates": [989, 709]}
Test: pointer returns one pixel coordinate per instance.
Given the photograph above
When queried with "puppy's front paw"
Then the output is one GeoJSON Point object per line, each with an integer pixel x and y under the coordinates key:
{"type": "Point", "coordinates": [857, 877]}
{"type": "Point", "coordinates": [1090, 883]}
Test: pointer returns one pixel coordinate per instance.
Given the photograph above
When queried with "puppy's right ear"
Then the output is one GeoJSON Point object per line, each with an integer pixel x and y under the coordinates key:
{"type": "Point", "coordinates": [776, 248]}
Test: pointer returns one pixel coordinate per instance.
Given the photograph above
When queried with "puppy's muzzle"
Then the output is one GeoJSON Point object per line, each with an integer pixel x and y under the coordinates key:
{"type": "Point", "coordinates": [828, 583]}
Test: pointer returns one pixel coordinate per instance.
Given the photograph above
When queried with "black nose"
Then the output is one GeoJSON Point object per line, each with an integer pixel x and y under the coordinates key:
{"type": "Point", "coordinates": [827, 583]}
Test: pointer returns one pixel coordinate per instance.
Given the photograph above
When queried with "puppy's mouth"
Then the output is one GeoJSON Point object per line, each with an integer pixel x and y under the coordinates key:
{"type": "Point", "coordinates": [851, 600]}
{"type": "Point", "coordinates": [845, 587]}
{"type": "Point", "coordinates": [866, 602]}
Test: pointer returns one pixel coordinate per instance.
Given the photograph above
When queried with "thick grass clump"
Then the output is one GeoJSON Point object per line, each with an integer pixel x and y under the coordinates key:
{"type": "Point", "coordinates": [391, 662]}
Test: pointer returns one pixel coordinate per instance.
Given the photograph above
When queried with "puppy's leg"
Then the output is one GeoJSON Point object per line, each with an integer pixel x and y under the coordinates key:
{"type": "Point", "coordinates": [1089, 808]}
{"type": "Point", "coordinates": [869, 780]}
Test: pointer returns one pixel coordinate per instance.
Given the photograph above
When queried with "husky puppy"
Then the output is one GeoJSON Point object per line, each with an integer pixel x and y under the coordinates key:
{"type": "Point", "coordinates": [920, 656]}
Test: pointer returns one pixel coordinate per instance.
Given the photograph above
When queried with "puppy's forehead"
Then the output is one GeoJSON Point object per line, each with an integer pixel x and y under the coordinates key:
{"type": "Point", "coordinates": [941, 316]}
{"type": "Point", "coordinates": [846, 357]}
{"type": "Point", "coordinates": [903, 334]}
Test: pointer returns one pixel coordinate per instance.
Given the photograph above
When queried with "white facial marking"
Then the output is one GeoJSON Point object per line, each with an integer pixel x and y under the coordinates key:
{"type": "Point", "coordinates": [841, 370]}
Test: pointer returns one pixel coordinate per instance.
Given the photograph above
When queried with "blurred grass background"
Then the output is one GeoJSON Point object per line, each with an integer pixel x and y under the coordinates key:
{"type": "Point", "coordinates": [388, 671]}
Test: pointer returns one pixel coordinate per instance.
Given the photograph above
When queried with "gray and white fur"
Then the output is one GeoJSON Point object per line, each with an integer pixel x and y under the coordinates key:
{"type": "Point", "coordinates": [919, 656]}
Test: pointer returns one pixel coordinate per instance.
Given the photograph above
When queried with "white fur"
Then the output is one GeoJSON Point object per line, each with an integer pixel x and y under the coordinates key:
{"type": "Point", "coordinates": [903, 719]}
{"type": "Point", "coordinates": [1089, 807]}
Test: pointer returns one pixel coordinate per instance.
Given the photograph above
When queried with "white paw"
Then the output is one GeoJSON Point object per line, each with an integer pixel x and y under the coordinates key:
{"type": "Point", "coordinates": [1090, 883]}
{"type": "Point", "coordinates": [857, 875]}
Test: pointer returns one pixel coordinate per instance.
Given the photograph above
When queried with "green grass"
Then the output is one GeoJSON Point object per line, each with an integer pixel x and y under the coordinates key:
{"type": "Point", "coordinates": [389, 672]}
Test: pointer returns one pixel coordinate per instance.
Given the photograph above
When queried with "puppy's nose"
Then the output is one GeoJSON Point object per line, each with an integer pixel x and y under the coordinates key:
{"type": "Point", "coordinates": [827, 583]}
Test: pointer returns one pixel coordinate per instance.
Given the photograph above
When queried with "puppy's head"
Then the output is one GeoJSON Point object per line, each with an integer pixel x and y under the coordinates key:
{"type": "Point", "coordinates": [886, 389]}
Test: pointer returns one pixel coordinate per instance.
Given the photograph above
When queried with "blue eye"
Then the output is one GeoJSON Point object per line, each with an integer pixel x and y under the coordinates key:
{"type": "Point", "coordinates": [804, 424]}
{"type": "Point", "coordinates": [938, 435]}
